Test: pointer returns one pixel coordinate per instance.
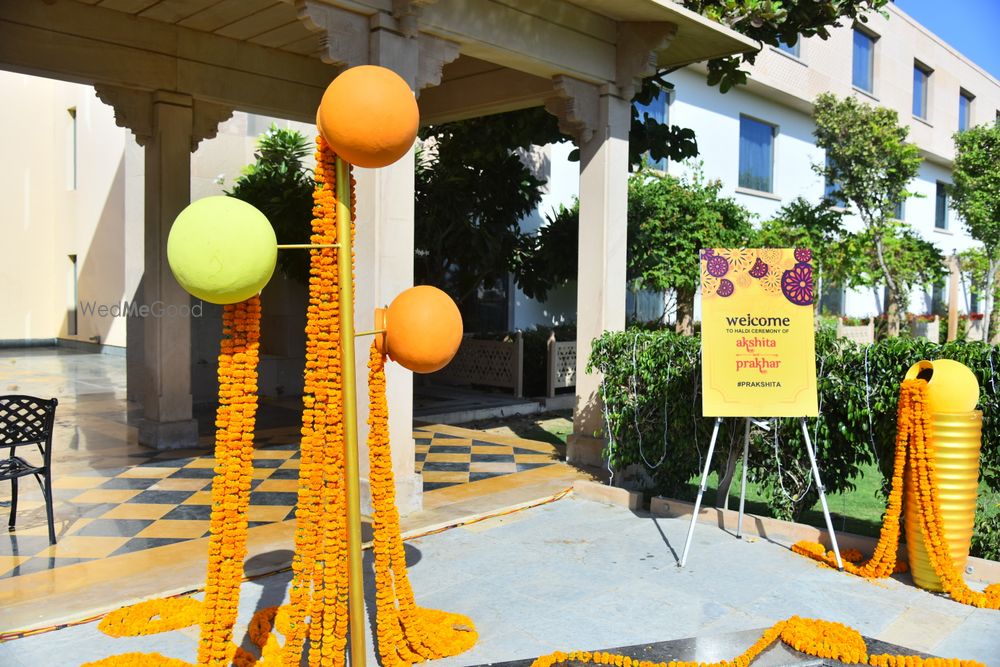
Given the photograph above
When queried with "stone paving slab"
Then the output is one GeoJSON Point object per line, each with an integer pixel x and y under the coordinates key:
{"type": "Point", "coordinates": [577, 574]}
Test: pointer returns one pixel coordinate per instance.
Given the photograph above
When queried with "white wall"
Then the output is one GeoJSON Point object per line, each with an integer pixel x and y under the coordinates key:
{"type": "Point", "coordinates": [562, 186]}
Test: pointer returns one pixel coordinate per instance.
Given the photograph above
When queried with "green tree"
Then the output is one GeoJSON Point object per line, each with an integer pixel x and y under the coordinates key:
{"type": "Point", "coordinates": [975, 265]}
{"type": "Point", "coordinates": [913, 260]}
{"type": "Point", "coordinates": [548, 258]}
{"type": "Point", "coordinates": [280, 186]}
{"type": "Point", "coordinates": [975, 194]}
{"type": "Point", "coordinates": [472, 190]}
{"type": "Point", "coordinates": [670, 220]}
{"type": "Point", "coordinates": [870, 162]}
{"type": "Point", "coordinates": [818, 227]}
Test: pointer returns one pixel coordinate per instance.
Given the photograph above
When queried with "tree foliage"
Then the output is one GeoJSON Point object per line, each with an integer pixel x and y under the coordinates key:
{"type": "Point", "coordinates": [771, 23]}
{"type": "Point", "coordinates": [975, 195]}
{"type": "Point", "coordinates": [670, 219]}
{"type": "Point", "coordinates": [472, 190]}
{"type": "Point", "coordinates": [775, 22]}
{"type": "Point", "coordinates": [870, 163]}
{"type": "Point", "coordinates": [819, 227]}
{"type": "Point", "coordinates": [912, 259]}
{"type": "Point", "coordinates": [548, 258]}
{"type": "Point", "coordinates": [281, 186]}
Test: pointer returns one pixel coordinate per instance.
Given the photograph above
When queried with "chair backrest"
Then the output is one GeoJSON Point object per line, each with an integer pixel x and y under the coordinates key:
{"type": "Point", "coordinates": [27, 420]}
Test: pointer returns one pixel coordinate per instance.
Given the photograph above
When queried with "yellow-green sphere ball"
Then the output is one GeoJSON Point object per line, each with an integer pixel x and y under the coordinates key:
{"type": "Point", "coordinates": [222, 250]}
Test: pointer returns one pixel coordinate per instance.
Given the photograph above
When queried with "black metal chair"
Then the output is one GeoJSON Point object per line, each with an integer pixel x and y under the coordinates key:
{"type": "Point", "coordinates": [26, 420]}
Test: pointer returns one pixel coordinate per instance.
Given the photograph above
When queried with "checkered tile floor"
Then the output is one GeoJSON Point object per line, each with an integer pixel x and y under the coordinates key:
{"type": "Point", "coordinates": [162, 500]}
{"type": "Point", "coordinates": [447, 460]}
{"type": "Point", "coordinates": [166, 498]}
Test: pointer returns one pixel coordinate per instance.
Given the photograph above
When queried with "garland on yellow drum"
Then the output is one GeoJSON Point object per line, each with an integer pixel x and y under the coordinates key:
{"type": "Point", "coordinates": [914, 458]}
{"type": "Point", "coordinates": [818, 638]}
{"type": "Point", "coordinates": [406, 633]}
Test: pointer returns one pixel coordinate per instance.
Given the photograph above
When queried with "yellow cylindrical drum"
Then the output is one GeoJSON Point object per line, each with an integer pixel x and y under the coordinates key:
{"type": "Point", "coordinates": [957, 439]}
{"type": "Point", "coordinates": [956, 429]}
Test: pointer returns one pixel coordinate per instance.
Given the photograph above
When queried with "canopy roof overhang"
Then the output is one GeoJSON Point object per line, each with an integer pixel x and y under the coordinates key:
{"type": "Point", "coordinates": [276, 56]}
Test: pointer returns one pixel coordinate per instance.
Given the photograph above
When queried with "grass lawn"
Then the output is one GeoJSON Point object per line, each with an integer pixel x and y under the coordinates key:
{"type": "Point", "coordinates": [858, 511]}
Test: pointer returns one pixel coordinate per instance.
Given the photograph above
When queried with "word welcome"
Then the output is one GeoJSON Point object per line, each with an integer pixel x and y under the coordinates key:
{"type": "Point", "coordinates": [133, 309]}
{"type": "Point", "coordinates": [749, 320]}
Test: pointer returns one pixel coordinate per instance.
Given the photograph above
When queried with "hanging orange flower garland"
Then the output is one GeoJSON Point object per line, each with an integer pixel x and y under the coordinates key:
{"type": "Point", "coordinates": [405, 632]}
{"type": "Point", "coordinates": [815, 637]}
{"type": "Point", "coordinates": [318, 605]}
{"type": "Point", "coordinates": [231, 486]}
{"type": "Point", "coordinates": [883, 561]}
{"type": "Point", "coordinates": [924, 478]}
{"type": "Point", "coordinates": [914, 457]}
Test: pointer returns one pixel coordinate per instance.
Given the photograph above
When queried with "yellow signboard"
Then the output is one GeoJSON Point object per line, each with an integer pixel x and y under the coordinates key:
{"type": "Point", "coordinates": [757, 337]}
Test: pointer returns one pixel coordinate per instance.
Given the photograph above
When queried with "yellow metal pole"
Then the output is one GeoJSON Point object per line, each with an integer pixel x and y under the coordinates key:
{"type": "Point", "coordinates": [355, 581]}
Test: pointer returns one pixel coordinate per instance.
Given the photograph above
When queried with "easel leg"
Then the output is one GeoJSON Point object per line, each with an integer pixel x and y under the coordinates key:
{"type": "Point", "coordinates": [743, 481]}
{"type": "Point", "coordinates": [822, 495]}
{"type": "Point", "coordinates": [701, 491]}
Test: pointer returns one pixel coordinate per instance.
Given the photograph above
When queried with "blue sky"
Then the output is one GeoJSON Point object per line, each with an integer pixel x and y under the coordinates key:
{"type": "Point", "coordinates": [968, 25]}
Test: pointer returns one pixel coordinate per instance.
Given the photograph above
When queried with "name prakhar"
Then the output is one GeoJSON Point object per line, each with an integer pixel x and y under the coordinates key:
{"type": "Point", "coordinates": [756, 363]}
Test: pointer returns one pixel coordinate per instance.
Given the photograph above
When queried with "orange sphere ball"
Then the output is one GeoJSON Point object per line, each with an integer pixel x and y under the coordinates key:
{"type": "Point", "coordinates": [368, 116]}
{"type": "Point", "coordinates": [423, 329]}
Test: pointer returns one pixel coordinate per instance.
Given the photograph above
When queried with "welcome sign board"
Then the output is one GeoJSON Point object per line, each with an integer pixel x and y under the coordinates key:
{"type": "Point", "coordinates": [758, 346]}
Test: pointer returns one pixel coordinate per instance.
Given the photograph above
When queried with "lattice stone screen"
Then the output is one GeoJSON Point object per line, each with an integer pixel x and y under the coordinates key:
{"type": "Point", "coordinates": [863, 335]}
{"type": "Point", "coordinates": [487, 362]}
{"type": "Point", "coordinates": [561, 365]}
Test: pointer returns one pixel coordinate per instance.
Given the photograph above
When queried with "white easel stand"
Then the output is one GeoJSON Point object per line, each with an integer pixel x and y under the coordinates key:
{"type": "Point", "coordinates": [743, 489]}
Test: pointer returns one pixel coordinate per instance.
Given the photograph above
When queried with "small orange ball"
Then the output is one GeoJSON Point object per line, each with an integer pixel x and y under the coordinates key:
{"type": "Point", "coordinates": [423, 329]}
{"type": "Point", "coordinates": [368, 116]}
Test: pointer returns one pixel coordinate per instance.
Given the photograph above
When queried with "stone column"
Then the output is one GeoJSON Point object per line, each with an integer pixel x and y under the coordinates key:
{"type": "Point", "coordinates": [384, 242]}
{"type": "Point", "coordinates": [600, 118]}
{"type": "Point", "coordinates": [169, 126]}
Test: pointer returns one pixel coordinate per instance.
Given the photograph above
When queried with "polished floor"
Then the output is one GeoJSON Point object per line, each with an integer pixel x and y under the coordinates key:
{"type": "Point", "coordinates": [114, 497]}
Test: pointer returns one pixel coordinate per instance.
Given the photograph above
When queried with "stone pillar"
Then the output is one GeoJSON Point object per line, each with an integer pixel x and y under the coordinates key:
{"type": "Point", "coordinates": [169, 126]}
{"type": "Point", "coordinates": [384, 251]}
{"type": "Point", "coordinates": [166, 419]}
{"type": "Point", "coordinates": [600, 118]}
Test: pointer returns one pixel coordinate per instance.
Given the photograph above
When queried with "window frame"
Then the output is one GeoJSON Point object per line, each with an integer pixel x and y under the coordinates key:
{"type": "Point", "coordinates": [793, 50]}
{"type": "Point", "coordinates": [668, 97]}
{"type": "Point", "coordinates": [829, 186]}
{"type": "Point", "coordinates": [941, 211]}
{"type": "Point", "coordinates": [924, 112]}
{"type": "Point", "coordinates": [899, 213]}
{"type": "Point", "coordinates": [739, 158]}
{"type": "Point", "coordinates": [873, 40]}
{"type": "Point", "coordinates": [969, 98]}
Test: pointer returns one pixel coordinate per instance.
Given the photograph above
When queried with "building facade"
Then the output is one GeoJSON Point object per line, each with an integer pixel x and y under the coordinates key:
{"type": "Point", "coordinates": [757, 139]}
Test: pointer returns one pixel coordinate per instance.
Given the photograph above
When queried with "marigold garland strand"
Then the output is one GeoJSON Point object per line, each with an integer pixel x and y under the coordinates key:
{"type": "Point", "coordinates": [234, 423]}
{"type": "Point", "coordinates": [914, 458]}
{"type": "Point", "coordinates": [319, 583]}
{"type": "Point", "coordinates": [405, 632]}
{"type": "Point", "coordinates": [815, 637]}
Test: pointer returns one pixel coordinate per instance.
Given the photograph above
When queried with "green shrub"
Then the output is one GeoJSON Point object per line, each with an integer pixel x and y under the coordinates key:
{"type": "Point", "coordinates": [652, 394]}
{"type": "Point", "coordinates": [986, 533]}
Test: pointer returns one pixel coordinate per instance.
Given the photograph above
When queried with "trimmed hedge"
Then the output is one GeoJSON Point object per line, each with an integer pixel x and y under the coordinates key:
{"type": "Point", "coordinates": [652, 398]}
